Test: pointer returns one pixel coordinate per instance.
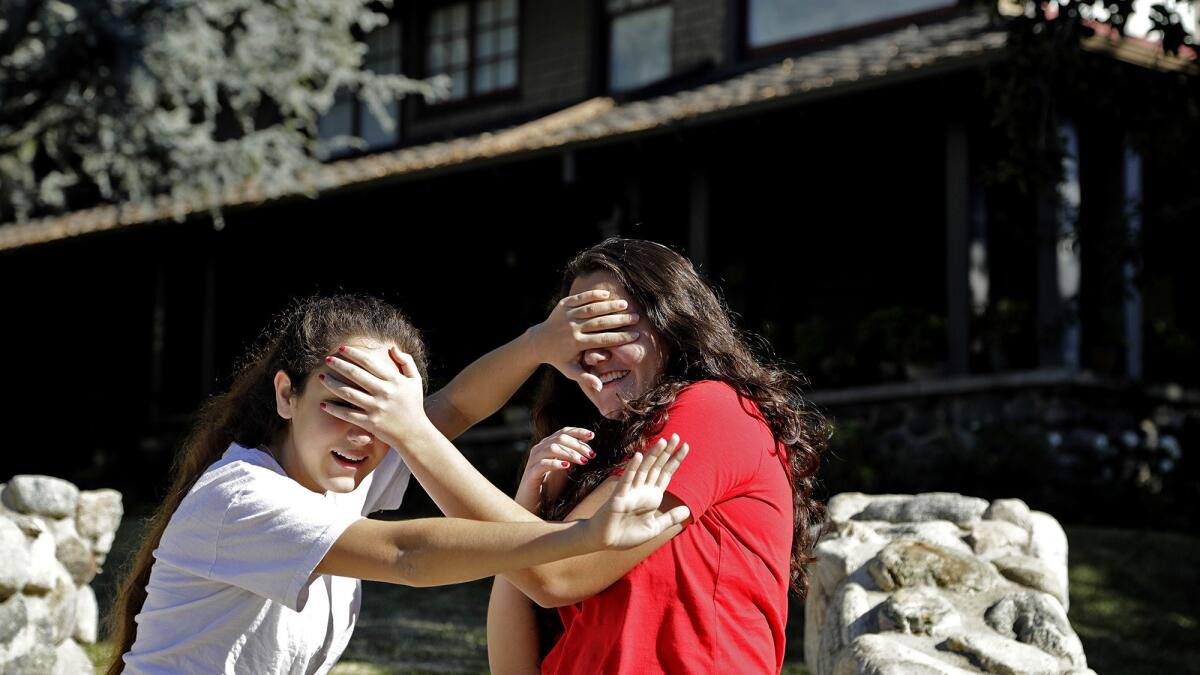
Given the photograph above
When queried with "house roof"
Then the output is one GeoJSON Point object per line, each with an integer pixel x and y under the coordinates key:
{"type": "Point", "coordinates": [952, 44]}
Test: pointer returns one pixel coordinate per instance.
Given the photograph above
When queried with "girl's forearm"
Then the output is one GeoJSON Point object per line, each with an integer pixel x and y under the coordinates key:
{"type": "Point", "coordinates": [438, 551]}
{"type": "Point", "coordinates": [512, 633]}
{"type": "Point", "coordinates": [453, 483]}
{"type": "Point", "coordinates": [482, 387]}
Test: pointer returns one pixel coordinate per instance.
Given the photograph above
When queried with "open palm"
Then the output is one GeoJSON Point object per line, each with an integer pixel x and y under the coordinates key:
{"type": "Point", "coordinates": [633, 515]}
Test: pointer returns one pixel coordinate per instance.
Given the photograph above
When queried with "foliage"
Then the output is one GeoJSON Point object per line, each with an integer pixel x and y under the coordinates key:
{"type": "Point", "coordinates": [125, 100]}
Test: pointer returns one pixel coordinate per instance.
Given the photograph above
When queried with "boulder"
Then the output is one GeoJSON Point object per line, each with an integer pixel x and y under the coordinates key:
{"type": "Point", "coordinates": [1012, 511]}
{"type": "Point", "coordinates": [845, 620]}
{"type": "Point", "coordinates": [1037, 619]}
{"type": "Point", "coordinates": [13, 617]}
{"type": "Point", "coordinates": [41, 495]}
{"type": "Point", "coordinates": [1001, 656]}
{"type": "Point", "coordinates": [98, 513]}
{"type": "Point", "coordinates": [937, 532]}
{"type": "Point", "coordinates": [930, 506]}
{"type": "Point", "coordinates": [76, 556]}
{"type": "Point", "coordinates": [1031, 572]}
{"type": "Point", "coordinates": [14, 558]}
{"type": "Point", "coordinates": [919, 611]}
{"type": "Point", "coordinates": [42, 565]}
{"type": "Point", "coordinates": [1048, 542]}
{"type": "Point", "coordinates": [992, 538]}
{"type": "Point", "coordinates": [907, 562]}
{"type": "Point", "coordinates": [87, 616]}
{"type": "Point", "coordinates": [70, 659]}
{"type": "Point", "coordinates": [882, 655]}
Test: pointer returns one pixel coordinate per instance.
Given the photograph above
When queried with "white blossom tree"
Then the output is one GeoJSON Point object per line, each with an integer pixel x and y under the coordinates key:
{"type": "Point", "coordinates": [126, 100]}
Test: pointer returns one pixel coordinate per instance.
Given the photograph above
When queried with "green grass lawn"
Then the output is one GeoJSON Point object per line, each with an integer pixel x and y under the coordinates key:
{"type": "Point", "coordinates": [1135, 601]}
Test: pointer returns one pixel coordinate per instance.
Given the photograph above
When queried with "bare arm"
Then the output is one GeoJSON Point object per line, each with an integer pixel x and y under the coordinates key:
{"type": "Point", "coordinates": [438, 551]}
{"type": "Point", "coordinates": [512, 633]}
{"type": "Point", "coordinates": [578, 322]}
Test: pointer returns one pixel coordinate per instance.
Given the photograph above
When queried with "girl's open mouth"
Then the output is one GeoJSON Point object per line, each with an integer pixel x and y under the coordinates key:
{"type": "Point", "coordinates": [346, 461]}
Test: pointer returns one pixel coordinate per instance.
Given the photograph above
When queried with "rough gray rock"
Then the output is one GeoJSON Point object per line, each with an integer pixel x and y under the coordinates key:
{"type": "Point", "coordinates": [882, 655]}
{"type": "Point", "coordinates": [41, 495]}
{"type": "Point", "coordinates": [850, 549]}
{"type": "Point", "coordinates": [992, 538]}
{"type": "Point", "coordinates": [13, 617]}
{"type": "Point", "coordinates": [70, 659]}
{"type": "Point", "coordinates": [1048, 542]}
{"type": "Point", "coordinates": [87, 615]}
{"type": "Point", "coordinates": [919, 611]}
{"type": "Point", "coordinates": [845, 506]}
{"type": "Point", "coordinates": [931, 506]}
{"type": "Point", "coordinates": [845, 620]}
{"type": "Point", "coordinates": [32, 526]}
{"type": "Point", "coordinates": [907, 562]}
{"type": "Point", "coordinates": [1031, 572]}
{"type": "Point", "coordinates": [1012, 511]}
{"type": "Point", "coordinates": [39, 659]}
{"type": "Point", "coordinates": [76, 556]}
{"type": "Point", "coordinates": [14, 558]}
{"type": "Point", "coordinates": [937, 532]}
{"type": "Point", "coordinates": [42, 564]}
{"type": "Point", "coordinates": [1001, 656]}
{"type": "Point", "coordinates": [98, 513]}
{"type": "Point", "coordinates": [59, 620]}
{"type": "Point", "coordinates": [1036, 619]}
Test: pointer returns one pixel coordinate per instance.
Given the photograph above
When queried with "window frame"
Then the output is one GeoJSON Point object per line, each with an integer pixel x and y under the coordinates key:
{"type": "Point", "coordinates": [749, 52]}
{"type": "Point", "coordinates": [358, 108]}
{"type": "Point", "coordinates": [471, 99]}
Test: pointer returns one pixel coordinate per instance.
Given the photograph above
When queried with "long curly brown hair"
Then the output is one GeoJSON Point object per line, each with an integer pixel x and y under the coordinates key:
{"type": "Point", "coordinates": [296, 341]}
{"type": "Point", "coordinates": [702, 344]}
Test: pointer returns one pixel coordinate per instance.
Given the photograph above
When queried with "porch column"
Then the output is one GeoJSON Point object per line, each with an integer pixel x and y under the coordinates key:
{"type": "Point", "coordinates": [1132, 178]}
{"type": "Point", "coordinates": [1058, 263]}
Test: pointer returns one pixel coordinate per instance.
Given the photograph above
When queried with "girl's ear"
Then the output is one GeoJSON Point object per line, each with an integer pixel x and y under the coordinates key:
{"type": "Point", "coordinates": [284, 396]}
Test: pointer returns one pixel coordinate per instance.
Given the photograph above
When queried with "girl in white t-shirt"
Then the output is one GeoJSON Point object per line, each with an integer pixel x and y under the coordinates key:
{"type": "Point", "coordinates": [252, 563]}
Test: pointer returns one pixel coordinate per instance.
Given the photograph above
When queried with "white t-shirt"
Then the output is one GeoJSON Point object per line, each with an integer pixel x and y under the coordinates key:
{"type": "Point", "coordinates": [233, 588]}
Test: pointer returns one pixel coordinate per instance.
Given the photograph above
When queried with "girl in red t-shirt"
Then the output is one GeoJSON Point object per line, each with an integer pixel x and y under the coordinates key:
{"type": "Point", "coordinates": [713, 597]}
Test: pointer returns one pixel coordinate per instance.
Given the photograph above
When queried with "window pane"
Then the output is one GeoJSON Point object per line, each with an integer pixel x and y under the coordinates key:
{"type": "Point", "coordinates": [458, 83]}
{"type": "Point", "coordinates": [485, 12]}
{"type": "Point", "coordinates": [485, 78]}
{"type": "Point", "coordinates": [383, 49]}
{"type": "Point", "coordinates": [337, 120]}
{"type": "Point", "coordinates": [485, 44]}
{"type": "Point", "coordinates": [458, 18]}
{"type": "Point", "coordinates": [508, 9]}
{"type": "Point", "coordinates": [773, 21]}
{"type": "Point", "coordinates": [458, 51]}
{"type": "Point", "coordinates": [640, 48]}
{"type": "Point", "coordinates": [506, 73]}
{"type": "Point", "coordinates": [374, 133]}
{"type": "Point", "coordinates": [508, 40]}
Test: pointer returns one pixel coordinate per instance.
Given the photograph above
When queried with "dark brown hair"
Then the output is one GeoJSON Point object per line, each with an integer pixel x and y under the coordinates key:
{"type": "Point", "coordinates": [296, 341]}
{"type": "Point", "coordinates": [702, 344]}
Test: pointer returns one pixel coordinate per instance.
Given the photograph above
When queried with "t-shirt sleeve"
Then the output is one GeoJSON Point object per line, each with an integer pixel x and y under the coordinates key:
{"type": "Point", "coordinates": [725, 444]}
{"type": "Point", "coordinates": [389, 481]}
{"type": "Point", "coordinates": [255, 530]}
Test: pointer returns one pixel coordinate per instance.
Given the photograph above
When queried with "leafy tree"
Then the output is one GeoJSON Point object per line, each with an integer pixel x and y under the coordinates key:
{"type": "Point", "coordinates": [126, 100]}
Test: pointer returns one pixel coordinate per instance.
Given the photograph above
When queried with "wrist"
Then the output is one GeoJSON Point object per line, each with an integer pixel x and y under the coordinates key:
{"type": "Point", "coordinates": [528, 346]}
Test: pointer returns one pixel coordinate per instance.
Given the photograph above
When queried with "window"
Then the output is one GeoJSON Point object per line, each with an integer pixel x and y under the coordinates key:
{"type": "Point", "coordinates": [349, 116]}
{"type": "Point", "coordinates": [475, 44]}
{"type": "Point", "coordinates": [639, 43]}
{"type": "Point", "coordinates": [771, 22]}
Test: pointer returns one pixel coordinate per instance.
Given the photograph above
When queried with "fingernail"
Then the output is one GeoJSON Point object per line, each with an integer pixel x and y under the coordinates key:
{"type": "Point", "coordinates": [590, 434]}
{"type": "Point", "coordinates": [591, 453]}
{"type": "Point", "coordinates": [342, 348]}
{"type": "Point", "coordinates": [321, 377]}
{"type": "Point", "coordinates": [583, 460]}
{"type": "Point", "coordinates": [637, 334]}
{"type": "Point", "coordinates": [328, 359]}
{"type": "Point", "coordinates": [566, 464]}
{"type": "Point", "coordinates": [621, 304]}
{"type": "Point", "coordinates": [322, 406]}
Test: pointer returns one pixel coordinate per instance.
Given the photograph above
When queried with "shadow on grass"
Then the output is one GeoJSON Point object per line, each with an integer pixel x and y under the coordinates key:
{"type": "Point", "coordinates": [1135, 600]}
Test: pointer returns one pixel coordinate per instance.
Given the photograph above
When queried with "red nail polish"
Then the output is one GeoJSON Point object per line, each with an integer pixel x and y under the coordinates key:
{"type": "Point", "coordinates": [566, 464]}
{"type": "Point", "coordinates": [342, 348]}
{"type": "Point", "coordinates": [328, 359]}
{"type": "Point", "coordinates": [322, 406]}
{"type": "Point", "coordinates": [583, 459]}
{"type": "Point", "coordinates": [321, 377]}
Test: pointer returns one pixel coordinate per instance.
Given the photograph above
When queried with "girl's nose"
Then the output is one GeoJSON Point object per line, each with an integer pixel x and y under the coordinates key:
{"type": "Point", "coordinates": [359, 437]}
{"type": "Point", "coordinates": [594, 357]}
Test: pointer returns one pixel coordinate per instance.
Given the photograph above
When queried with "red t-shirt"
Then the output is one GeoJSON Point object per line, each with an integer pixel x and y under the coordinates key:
{"type": "Point", "coordinates": [714, 598]}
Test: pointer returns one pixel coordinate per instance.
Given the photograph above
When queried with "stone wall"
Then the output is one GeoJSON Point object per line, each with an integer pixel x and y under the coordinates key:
{"type": "Point", "coordinates": [939, 583]}
{"type": "Point", "coordinates": [53, 542]}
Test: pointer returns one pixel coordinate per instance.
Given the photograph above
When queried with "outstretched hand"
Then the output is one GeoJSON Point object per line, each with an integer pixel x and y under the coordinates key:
{"type": "Point", "coordinates": [631, 517]}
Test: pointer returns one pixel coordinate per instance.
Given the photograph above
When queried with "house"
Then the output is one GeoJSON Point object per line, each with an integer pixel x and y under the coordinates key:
{"type": "Point", "coordinates": [832, 165]}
